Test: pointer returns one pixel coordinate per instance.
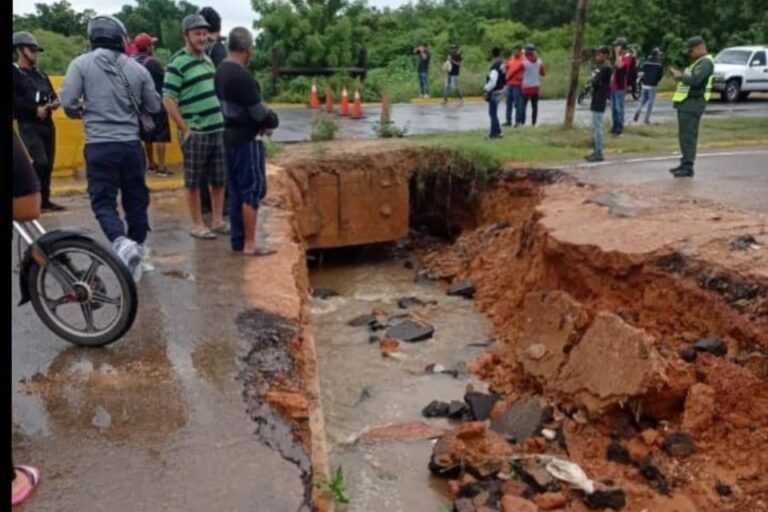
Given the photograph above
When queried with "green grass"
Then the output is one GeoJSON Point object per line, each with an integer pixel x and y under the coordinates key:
{"type": "Point", "coordinates": [335, 487]}
{"type": "Point", "coordinates": [554, 144]}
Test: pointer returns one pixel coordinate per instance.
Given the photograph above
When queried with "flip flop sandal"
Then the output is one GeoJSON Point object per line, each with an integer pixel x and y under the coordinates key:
{"type": "Point", "coordinates": [203, 234]}
{"type": "Point", "coordinates": [222, 230]}
{"type": "Point", "coordinates": [261, 252]}
{"type": "Point", "coordinates": [34, 478]}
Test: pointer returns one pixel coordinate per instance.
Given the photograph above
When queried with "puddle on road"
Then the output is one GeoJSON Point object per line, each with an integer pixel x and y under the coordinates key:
{"type": "Point", "coordinates": [362, 390]}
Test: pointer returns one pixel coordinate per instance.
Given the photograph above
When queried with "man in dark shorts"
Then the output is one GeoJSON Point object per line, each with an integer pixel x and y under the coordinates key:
{"type": "Point", "coordinates": [161, 135]}
{"type": "Point", "coordinates": [26, 207]}
{"type": "Point", "coordinates": [190, 99]}
{"type": "Point", "coordinates": [246, 118]}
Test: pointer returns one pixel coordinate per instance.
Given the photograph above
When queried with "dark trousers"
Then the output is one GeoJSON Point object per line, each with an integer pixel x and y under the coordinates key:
{"type": "Point", "coordinates": [515, 101]}
{"type": "Point", "coordinates": [493, 112]}
{"type": "Point", "coordinates": [40, 140]}
{"type": "Point", "coordinates": [114, 167]}
{"type": "Point", "coordinates": [534, 100]}
{"type": "Point", "coordinates": [688, 121]}
{"type": "Point", "coordinates": [246, 166]}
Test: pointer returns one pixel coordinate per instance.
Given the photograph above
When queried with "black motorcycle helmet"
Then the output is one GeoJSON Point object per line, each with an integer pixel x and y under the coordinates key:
{"type": "Point", "coordinates": [107, 32]}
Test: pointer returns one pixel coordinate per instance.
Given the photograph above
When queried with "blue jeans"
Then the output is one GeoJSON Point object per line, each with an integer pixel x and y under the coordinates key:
{"type": "Point", "coordinates": [648, 97]}
{"type": "Point", "coordinates": [113, 167]}
{"type": "Point", "coordinates": [617, 111]}
{"type": "Point", "coordinates": [424, 83]}
{"type": "Point", "coordinates": [246, 165]}
{"type": "Point", "coordinates": [493, 111]}
{"type": "Point", "coordinates": [515, 100]}
{"type": "Point", "coordinates": [597, 132]}
{"type": "Point", "coordinates": [452, 82]}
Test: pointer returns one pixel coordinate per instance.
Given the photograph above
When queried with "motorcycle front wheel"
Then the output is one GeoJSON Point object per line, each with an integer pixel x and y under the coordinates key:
{"type": "Point", "coordinates": [85, 294]}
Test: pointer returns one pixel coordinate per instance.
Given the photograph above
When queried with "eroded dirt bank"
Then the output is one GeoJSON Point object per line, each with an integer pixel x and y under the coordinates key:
{"type": "Point", "coordinates": [596, 299]}
{"type": "Point", "coordinates": [594, 304]}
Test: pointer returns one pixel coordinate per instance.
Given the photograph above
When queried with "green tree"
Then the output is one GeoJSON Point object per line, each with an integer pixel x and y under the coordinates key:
{"type": "Point", "coordinates": [58, 17]}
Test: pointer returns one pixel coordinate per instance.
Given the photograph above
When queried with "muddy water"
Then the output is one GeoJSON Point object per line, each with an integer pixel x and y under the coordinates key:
{"type": "Point", "coordinates": [363, 390]}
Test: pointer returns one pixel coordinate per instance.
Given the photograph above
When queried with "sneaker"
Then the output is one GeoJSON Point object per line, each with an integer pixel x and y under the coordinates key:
{"type": "Point", "coordinates": [637, 116]}
{"type": "Point", "coordinates": [128, 251]}
{"type": "Point", "coordinates": [507, 124]}
{"type": "Point", "coordinates": [146, 258]}
{"type": "Point", "coordinates": [683, 173]}
{"type": "Point", "coordinates": [53, 207]}
{"type": "Point", "coordinates": [594, 158]}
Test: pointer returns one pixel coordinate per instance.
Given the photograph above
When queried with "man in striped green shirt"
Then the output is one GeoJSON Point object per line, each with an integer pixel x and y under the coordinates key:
{"type": "Point", "coordinates": [190, 98]}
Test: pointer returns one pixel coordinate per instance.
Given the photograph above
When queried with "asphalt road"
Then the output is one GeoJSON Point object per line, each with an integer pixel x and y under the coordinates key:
{"type": "Point", "coordinates": [154, 422]}
{"type": "Point", "coordinates": [296, 122]}
{"type": "Point", "coordinates": [736, 179]}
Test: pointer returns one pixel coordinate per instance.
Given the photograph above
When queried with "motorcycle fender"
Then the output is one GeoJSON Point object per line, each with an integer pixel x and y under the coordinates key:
{"type": "Point", "coordinates": [42, 246]}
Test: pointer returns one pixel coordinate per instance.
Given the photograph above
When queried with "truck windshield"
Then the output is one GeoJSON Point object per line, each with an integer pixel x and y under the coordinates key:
{"type": "Point", "coordinates": [733, 57]}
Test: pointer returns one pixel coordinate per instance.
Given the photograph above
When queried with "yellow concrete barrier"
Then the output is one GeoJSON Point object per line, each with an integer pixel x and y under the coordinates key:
{"type": "Point", "coordinates": [70, 142]}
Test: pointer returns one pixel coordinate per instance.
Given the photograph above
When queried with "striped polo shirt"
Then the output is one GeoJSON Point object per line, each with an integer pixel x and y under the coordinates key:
{"type": "Point", "coordinates": [189, 81]}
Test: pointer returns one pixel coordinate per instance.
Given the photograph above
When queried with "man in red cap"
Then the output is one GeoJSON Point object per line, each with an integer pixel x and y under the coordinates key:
{"type": "Point", "coordinates": [161, 135]}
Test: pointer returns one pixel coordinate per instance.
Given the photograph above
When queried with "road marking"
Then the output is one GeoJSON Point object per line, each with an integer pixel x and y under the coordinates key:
{"type": "Point", "coordinates": [674, 156]}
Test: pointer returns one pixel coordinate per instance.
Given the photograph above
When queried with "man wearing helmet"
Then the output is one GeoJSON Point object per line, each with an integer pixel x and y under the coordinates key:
{"type": "Point", "coordinates": [34, 101]}
{"type": "Point", "coordinates": [114, 89]}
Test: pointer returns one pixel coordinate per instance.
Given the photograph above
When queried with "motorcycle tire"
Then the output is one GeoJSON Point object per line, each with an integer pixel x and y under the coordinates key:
{"type": "Point", "coordinates": [128, 303]}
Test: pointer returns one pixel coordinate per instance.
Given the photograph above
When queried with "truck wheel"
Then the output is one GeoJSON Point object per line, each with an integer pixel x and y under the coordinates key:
{"type": "Point", "coordinates": [732, 91]}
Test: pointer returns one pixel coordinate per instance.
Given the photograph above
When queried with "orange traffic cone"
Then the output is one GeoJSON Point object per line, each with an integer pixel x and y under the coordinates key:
{"type": "Point", "coordinates": [328, 99]}
{"type": "Point", "coordinates": [357, 106]}
{"type": "Point", "coordinates": [314, 101]}
{"type": "Point", "coordinates": [344, 107]}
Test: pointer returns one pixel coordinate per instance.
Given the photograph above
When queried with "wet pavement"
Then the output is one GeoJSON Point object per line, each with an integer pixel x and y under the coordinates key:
{"type": "Point", "coordinates": [735, 179]}
{"type": "Point", "coordinates": [155, 421]}
{"type": "Point", "coordinates": [296, 122]}
{"type": "Point", "coordinates": [361, 390]}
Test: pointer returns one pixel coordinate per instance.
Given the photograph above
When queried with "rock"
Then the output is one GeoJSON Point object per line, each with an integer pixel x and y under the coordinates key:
{"type": "Point", "coordinates": [549, 434]}
{"type": "Point", "coordinates": [379, 313]}
{"type": "Point", "coordinates": [611, 363]}
{"type": "Point", "coordinates": [679, 444]}
{"type": "Point", "coordinates": [471, 446]}
{"type": "Point", "coordinates": [464, 505]}
{"type": "Point", "coordinates": [480, 404]}
{"type": "Point", "coordinates": [324, 293]}
{"type": "Point", "coordinates": [699, 408]}
{"type": "Point", "coordinates": [409, 264]}
{"type": "Point", "coordinates": [712, 345]}
{"type": "Point", "coordinates": [614, 499]}
{"type": "Point", "coordinates": [514, 487]}
{"type": "Point", "coordinates": [536, 351]}
{"type": "Point", "coordinates": [537, 477]}
{"type": "Point", "coordinates": [723, 489]}
{"type": "Point", "coordinates": [411, 431]}
{"type": "Point", "coordinates": [618, 453]}
{"type": "Point", "coordinates": [436, 409]}
{"type": "Point", "coordinates": [521, 421]}
{"type": "Point", "coordinates": [434, 368]}
{"type": "Point", "coordinates": [389, 347]}
{"type": "Point", "coordinates": [456, 409]}
{"type": "Point", "coordinates": [425, 277]}
{"type": "Point", "coordinates": [637, 449]}
{"type": "Point", "coordinates": [649, 436]}
{"type": "Point", "coordinates": [510, 503]}
{"type": "Point", "coordinates": [397, 319]}
{"type": "Point", "coordinates": [653, 474]}
{"type": "Point", "coordinates": [745, 242]}
{"type": "Point", "coordinates": [410, 331]}
{"type": "Point", "coordinates": [462, 289]}
{"type": "Point", "coordinates": [292, 404]}
{"type": "Point", "coordinates": [413, 302]}
{"type": "Point", "coordinates": [362, 320]}
{"type": "Point", "coordinates": [373, 339]}
{"type": "Point", "coordinates": [471, 430]}
{"type": "Point", "coordinates": [688, 354]}
{"type": "Point", "coordinates": [550, 500]}
{"type": "Point", "coordinates": [619, 204]}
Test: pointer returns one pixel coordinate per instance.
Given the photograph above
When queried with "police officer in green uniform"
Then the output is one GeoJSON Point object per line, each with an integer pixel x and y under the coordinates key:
{"type": "Point", "coordinates": [694, 88]}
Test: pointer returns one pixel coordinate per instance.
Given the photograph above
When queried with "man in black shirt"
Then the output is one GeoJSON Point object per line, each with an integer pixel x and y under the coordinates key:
{"type": "Point", "coordinates": [246, 117]}
{"type": "Point", "coordinates": [452, 79]}
{"type": "Point", "coordinates": [652, 73]}
{"type": "Point", "coordinates": [34, 101]}
{"type": "Point", "coordinates": [601, 89]}
{"type": "Point", "coordinates": [161, 135]}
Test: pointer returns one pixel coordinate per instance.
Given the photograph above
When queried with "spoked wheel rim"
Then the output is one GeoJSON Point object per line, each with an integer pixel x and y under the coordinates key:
{"type": "Point", "coordinates": [80, 292]}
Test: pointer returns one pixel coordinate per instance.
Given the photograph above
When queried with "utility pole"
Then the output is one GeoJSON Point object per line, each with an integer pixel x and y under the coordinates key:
{"type": "Point", "coordinates": [578, 42]}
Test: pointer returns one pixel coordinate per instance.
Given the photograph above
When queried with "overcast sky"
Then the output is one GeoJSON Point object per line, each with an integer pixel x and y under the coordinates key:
{"type": "Point", "coordinates": [233, 12]}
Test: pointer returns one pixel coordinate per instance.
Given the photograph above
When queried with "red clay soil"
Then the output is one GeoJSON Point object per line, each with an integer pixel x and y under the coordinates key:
{"type": "Point", "coordinates": [592, 305]}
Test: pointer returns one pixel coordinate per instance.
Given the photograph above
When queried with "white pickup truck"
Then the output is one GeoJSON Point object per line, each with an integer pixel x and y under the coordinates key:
{"type": "Point", "coordinates": [741, 70]}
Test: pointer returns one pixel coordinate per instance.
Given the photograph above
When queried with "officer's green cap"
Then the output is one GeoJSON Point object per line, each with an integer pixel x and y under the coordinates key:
{"type": "Point", "coordinates": [694, 42]}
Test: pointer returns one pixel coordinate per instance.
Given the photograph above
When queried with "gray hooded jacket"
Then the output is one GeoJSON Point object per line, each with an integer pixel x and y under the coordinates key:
{"type": "Point", "coordinates": [107, 111]}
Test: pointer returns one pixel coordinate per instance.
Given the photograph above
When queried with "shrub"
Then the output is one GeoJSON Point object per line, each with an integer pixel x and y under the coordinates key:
{"type": "Point", "coordinates": [324, 127]}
